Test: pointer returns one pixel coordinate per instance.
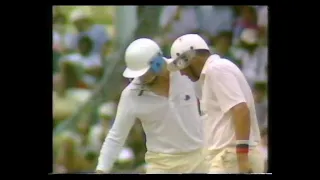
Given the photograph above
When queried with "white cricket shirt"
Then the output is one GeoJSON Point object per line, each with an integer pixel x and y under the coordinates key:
{"type": "Point", "coordinates": [224, 86]}
{"type": "Point", "coordinates": [172, 125]}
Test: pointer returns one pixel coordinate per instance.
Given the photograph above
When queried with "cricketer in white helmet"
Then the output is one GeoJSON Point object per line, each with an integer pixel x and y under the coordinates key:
{"type": "Point", "coordinates": [166, 105]}
{"type": "Point", "coordinates": [231, 128]}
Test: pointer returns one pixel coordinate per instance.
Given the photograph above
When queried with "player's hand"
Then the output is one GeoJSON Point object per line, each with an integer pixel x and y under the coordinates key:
{"type": "Point", "coordinates": [244, 167]}
{"type": "Point", "coordinates": [244, 164]}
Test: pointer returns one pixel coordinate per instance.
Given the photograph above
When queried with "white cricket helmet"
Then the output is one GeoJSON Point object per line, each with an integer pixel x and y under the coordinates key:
{"type": "Point", "coordinates": [182, 45]}
{"type": "Point", "coordinates": [138, 56]}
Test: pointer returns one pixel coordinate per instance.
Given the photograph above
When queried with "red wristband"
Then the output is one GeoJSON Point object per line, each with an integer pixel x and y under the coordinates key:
{"type": "Point", "coordinates": [242, 150]}
{"type": "Point", "coordinates": [242, 147]}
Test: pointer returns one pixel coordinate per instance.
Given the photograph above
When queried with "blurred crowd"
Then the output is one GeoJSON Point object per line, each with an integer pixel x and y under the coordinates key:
{"type": "Point", "coordinates": [80, 50]}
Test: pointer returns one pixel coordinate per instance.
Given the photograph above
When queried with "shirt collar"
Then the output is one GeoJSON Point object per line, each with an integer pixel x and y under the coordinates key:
{"type": "Point", "coordinates": [135, 83]}
{"type": "Point", "coordinates": [209, 60]}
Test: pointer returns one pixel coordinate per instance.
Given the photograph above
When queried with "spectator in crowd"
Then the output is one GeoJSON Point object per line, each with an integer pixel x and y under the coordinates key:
{"type": "Point", "coordinates": [81, 69]}
{"type": "Point", "coordinates": [215, 19]}
{"type": "Point", "coordinates": [253, 57]}
{"type": "Point", "coordinates": [261, 103]}
{"type": "Point", "coordinates": [59, 39]}
{"type": "Point", "coordinates": [247, 19]}
{"type": "Point", "coordinates": [81, 19]}
{"type": "Point", "coordinates": [223, 47]}
{"type": "Point", "coordinates": [78, 70]}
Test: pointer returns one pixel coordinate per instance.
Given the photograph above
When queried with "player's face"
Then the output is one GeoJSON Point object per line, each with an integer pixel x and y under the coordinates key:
{"type": "Point", "coordinates": [164, 72]}
{"type": "Point", "coordinates": [147, 77]}
{"type": "Point", "coordinates": [190, 72]}
{"type": "Point", "coordinates": [150, 75]}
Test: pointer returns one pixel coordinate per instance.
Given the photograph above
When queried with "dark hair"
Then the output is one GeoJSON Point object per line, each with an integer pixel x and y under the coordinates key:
{"type": "Point", "coordinates": [203, 52]}
{"type": "Point", "coordinates": [86, 40]}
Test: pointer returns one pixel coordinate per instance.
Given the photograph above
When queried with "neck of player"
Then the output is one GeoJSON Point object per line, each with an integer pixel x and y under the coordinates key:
{"type": "Point", "coordinates": [160, 86]}
{"type": "Point", "coordinates": [198, 64]}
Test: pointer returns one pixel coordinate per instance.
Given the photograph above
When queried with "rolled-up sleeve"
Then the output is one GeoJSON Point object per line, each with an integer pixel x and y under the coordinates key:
{"type": "Point", "coordinates": [118, 134]}
{"type": "Point", "coordinates": [227, 89]}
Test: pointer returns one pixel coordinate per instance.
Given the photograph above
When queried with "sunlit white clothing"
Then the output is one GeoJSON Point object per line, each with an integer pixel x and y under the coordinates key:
{"type": "Point", "coordinates": [224, 86]}
{"type": "Point", "coordinates": [172, 125]}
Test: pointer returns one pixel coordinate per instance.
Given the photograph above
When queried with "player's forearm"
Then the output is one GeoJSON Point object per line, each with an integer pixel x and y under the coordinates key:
{"type": "Point", "coordinates": [108, 154]}
{"type": "Point", "coordinates": [113, 143]}
{"type": "Point", "coordinates": [117, 135]}
{"type": "Point", "coordinates": [241, 119]}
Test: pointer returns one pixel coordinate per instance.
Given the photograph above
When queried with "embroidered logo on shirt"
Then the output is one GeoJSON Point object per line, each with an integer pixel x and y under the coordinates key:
{"type": "Point", "coordinates": [187, 97]}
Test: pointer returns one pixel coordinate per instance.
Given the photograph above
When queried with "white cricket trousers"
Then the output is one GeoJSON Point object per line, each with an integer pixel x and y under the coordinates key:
{"type": "Point", "coordinates": [225, 161]}
{"type": "Point", "coordinates": [190, 162]}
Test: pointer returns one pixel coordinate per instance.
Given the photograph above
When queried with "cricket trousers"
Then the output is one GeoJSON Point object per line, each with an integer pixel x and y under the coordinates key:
{"type": "Point", "coordinates": [190, 162]}
{"type": "Point", "coordinates": [225, 161]}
